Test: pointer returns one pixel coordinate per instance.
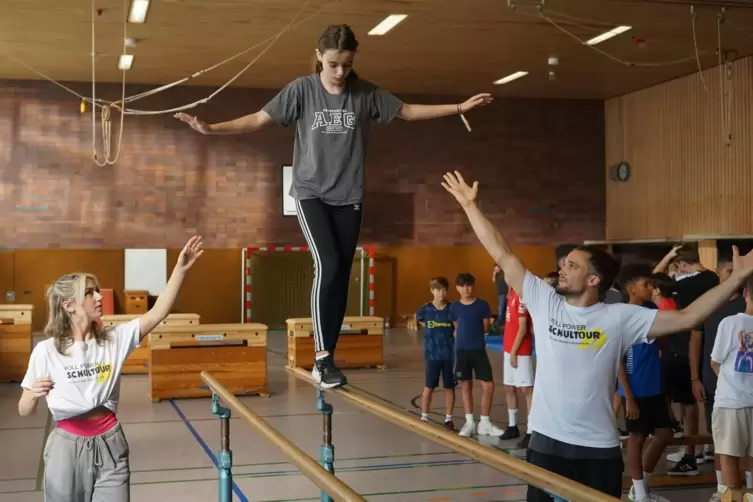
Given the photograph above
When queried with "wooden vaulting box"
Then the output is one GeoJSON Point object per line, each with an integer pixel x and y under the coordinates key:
{"type": "Point", "coordinates": [235, 354]}
{"type": "Point", "coordinates": [138, 361]}
{"type": "Point", "coordinates": [137, 302]}
{"type": "Point", "coordinates": [361, 343]}
{"type": "Point", "coordinates": [15, 341]}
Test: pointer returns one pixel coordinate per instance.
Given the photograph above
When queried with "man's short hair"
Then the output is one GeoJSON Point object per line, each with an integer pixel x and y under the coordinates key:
{"type": "Point", "coordinates": [604, 265]}
{"type": "Point", "coordinates": [687, 254]}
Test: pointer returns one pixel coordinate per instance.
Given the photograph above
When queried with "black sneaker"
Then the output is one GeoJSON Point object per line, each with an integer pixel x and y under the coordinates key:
{"type": "Point", "coordinates": [523, 443]}
{"type": "Point", "coordinates": [510, 433]}
{"type": "Point", "coordinates": [326, 374]}
{"type": "Point", "coordinates": [687, 466]}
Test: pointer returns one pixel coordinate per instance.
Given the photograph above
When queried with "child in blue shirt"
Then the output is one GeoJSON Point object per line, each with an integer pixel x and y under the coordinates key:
{"type": "Point", "coordinates": [439, 345]}
{"type": "Point", "coordinates": [471, 316]}
{"type": "Point", "coordinates": [640, 385]}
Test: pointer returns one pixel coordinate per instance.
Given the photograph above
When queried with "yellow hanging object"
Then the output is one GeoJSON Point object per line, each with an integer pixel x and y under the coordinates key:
{"type": "Point", "coordinates": [83, 106]}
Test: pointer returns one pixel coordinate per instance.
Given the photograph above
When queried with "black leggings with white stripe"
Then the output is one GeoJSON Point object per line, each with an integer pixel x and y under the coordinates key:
{"type": "Point", "coordinates": [332, 236]}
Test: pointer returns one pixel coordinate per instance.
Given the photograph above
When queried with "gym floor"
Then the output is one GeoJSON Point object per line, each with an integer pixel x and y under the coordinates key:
{"type": "Point", "coordinates": [172, 442]}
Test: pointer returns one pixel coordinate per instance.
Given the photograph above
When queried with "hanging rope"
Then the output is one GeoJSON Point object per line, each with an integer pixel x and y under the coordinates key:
{"type": "Point", "coordinates": [105, 107]}
{"type": "Point", "coordinates": [131, 111]}
{"type": "Point", "coordinates": [695, 46]}
{"type": "Point", "coordinates": [106, 118]}
{"type": "Point", "coordinates": [547, 18]}
{"type": "Point", "coordinates": [725, 83]}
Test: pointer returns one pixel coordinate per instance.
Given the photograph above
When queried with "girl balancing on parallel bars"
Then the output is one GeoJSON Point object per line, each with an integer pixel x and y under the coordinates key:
{"type": "Point", "coordinates": [77, 370]}
{"type": "Point", "coordinates": [332, 110]}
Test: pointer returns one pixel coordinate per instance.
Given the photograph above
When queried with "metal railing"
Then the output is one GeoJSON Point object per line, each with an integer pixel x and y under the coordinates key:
{"type": "Point", "coordinates": [321, 475]}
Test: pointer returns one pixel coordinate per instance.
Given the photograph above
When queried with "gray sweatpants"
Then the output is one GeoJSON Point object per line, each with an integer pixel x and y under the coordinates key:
{"type": "Point", "coordinates": [87, 469]}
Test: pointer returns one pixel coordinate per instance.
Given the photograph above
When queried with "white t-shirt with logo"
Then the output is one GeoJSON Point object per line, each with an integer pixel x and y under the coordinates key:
{"type": "Point", "coordinates": [88, 376]}
{"type": "Point", "coordinates": [733, 350]}
{"type": "Point", "coordinates": [578, 351]}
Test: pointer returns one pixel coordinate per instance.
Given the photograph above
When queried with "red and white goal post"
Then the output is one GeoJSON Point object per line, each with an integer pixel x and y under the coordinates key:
{"type": "Point", "coordinates": [367, 257]}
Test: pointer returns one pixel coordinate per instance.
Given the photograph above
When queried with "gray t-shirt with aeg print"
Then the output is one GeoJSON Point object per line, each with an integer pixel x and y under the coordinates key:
{"type": "Point", "coordinates": [332, 135]}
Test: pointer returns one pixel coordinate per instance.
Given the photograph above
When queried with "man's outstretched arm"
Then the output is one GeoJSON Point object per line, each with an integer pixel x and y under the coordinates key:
{"type": "Point", "coordinates": [673, 321]}
{"type": "Point", "coordinates": [490, 238]}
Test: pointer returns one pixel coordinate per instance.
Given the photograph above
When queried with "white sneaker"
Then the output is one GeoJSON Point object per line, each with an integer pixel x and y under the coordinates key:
{"type": "Point", "coordinates": [489, 429]}
{"type": "Point", "coordinates": [679, 454]}
{"type": "Point", "coordinates": [650, 497]}
{"type": "Point", "coordinates": [468, 429]}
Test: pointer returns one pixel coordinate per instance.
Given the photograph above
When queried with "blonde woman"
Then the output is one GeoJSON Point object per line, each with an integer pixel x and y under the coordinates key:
{"type": "Point", "coordinates": [77, 370]}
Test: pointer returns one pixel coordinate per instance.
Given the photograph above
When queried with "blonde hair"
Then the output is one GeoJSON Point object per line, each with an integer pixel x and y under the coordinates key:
{"type": "Point", "coordinates": [70, 287]}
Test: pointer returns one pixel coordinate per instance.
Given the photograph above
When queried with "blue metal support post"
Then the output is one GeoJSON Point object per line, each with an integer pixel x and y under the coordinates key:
{"type": "Point", "coordinates": [327, 451]}
{"type": "Point", "coordinates": [225, 456]}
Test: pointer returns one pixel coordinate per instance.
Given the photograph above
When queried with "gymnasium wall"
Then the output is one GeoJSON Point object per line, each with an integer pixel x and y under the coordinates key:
{"type": "Point", "coordinates": [539, 163]}
{"type": "Point", "coordinates": [412, 268]}
{"type": "Point", "coordinates": [211, 290]}
{"type": "Point", "coordinates": [213, 287]}
{"type": "Point", "coordinates": [686, 182]}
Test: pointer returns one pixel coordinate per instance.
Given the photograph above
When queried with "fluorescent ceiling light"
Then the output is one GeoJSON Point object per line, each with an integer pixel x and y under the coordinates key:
{"type": "Point", "coordinates": [125, 61]}
{"type": "Point", "coordinates": [608, 35]}
{"type": "Point", "coordinates": [388, 23]}
{"type": "Point", "coordinates": [139, 8]}
{"type": "Point", "coordinates": [511, 77]}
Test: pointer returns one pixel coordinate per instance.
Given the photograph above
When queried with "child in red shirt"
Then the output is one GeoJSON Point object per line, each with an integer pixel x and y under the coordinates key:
{"type": "Point", "coordinates": [518, 364]}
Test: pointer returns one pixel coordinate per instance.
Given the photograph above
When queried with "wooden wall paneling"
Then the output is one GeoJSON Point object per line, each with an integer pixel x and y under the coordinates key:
{"type": "Point", "coordinates": [385, 286]}
{"type": "Point", "coordinates": [685, 179]}
{"type": "Point", "coordinates": [414, 268]}
{"type": "Point", "coordinates": [708, 252]}
{"type": "Point", "coordinates": [212, 287]}
{"type": "Point", "coordinates": [34, 269]}
{"type": "Point", "coordinates": [7, 281]}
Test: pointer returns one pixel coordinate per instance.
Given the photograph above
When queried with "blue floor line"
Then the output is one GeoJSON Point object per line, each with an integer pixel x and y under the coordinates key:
{"type": "Point", "coordinates": [238, 492]}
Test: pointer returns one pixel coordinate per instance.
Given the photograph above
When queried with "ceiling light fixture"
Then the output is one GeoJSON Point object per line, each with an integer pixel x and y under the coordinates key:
{"type": "Point", "coordinates": [609, 34]}
{"type": "Point", "coordinates": [511, 77]}
{"type": "Point", "coordinates": [125, 62]}
{"type": "Point", "coordinates": [387, 24]}
{"type": "Point", "coordinates": [139, 9]}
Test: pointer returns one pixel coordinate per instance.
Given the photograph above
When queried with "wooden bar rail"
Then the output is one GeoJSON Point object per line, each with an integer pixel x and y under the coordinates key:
{"type": "Point", "coordinates": [536, 476]}
{"type": "Point", "coordinates": [327, 482]}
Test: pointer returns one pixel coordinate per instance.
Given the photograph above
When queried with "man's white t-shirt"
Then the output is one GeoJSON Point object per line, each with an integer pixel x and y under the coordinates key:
{"type": "Point", "coordinates": [88, 376]}
{"type": "Point", "coordinates": [578, 352]}
{"type": "Point", "coordinates": [733, 350]}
